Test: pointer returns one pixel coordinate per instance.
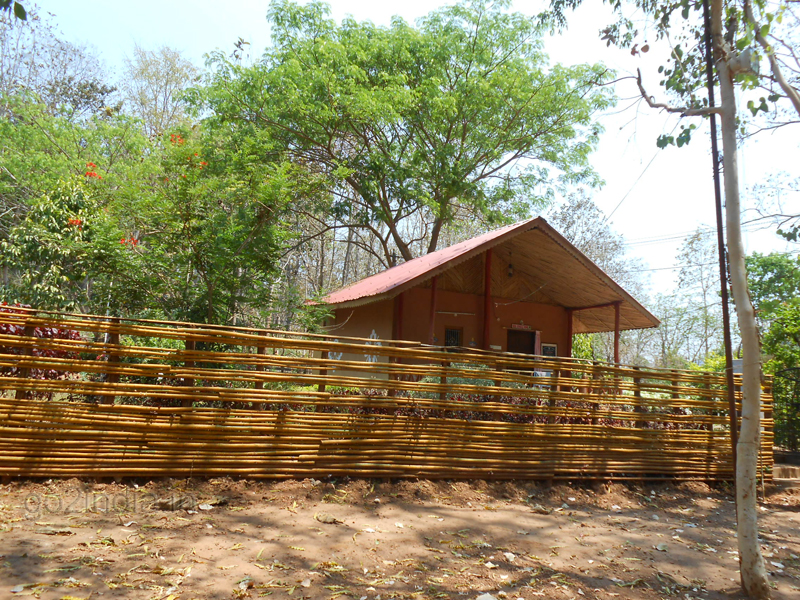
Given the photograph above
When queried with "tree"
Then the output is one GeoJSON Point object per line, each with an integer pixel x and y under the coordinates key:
{"type": "Point", "coordinates": [460, 114]}
{"type": "Point", "coordinates": [153, 81]}
{"type": "Point", "coordinates": [99, 217]}
{"type": "Point", "coordinates": [775, 285]}
{"type": "Point", "coordinates": [57, 249]}
{"type": "Point", "coordinates": [65, 77]}
{"type": "Point", "coordinates": [698, 286]}
{"type": "Point", "coordinates": [737, 33]}
{"type": "Point", "coordinates": [584, 224]}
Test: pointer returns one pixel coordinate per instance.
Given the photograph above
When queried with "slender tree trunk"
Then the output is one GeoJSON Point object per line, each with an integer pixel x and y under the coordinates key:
{"type": "Point", "coordinates": [321, 266]}
{"type": "Point", "coordinates": [347, 254]}
{"type": "Point", "coordinates": [753, 570]}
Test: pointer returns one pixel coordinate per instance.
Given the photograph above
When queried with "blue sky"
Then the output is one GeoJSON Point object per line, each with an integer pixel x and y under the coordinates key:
{"type": "Point", "coordinates": [656, 194]}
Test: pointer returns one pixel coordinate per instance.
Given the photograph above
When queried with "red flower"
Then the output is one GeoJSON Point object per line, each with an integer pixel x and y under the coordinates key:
{"type": "Point", "coordinates": [204, 163]}
{"type": "Point", "coordinates": [122, 241]}
{"type": "Point", "coordinates": [91, 165]}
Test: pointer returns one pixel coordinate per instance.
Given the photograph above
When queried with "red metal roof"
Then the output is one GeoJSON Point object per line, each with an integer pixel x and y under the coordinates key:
{"type": "Point", "coordinates": [423, 267]}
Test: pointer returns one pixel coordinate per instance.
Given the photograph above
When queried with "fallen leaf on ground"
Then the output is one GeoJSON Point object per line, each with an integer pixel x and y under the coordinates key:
{"type": "Point", "coordinates": [327, 519]}
{"type": "Point", "coordinates": [55, 531]}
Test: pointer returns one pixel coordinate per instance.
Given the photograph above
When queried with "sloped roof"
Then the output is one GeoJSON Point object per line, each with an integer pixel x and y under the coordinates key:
{"type": "Point", "coordinates": [572, 279]}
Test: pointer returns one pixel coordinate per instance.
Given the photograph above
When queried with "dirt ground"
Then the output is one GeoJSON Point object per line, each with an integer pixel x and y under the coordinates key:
{"type": "Point", "coordinates": [379, 540]}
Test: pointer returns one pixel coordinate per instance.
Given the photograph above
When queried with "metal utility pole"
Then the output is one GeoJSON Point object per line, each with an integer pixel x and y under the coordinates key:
{"type": "Point", "coordinates": [723, 270]}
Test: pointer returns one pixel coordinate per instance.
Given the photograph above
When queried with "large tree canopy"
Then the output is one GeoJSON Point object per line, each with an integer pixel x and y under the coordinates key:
{"type": "Point", "coordinates": [459, 115]}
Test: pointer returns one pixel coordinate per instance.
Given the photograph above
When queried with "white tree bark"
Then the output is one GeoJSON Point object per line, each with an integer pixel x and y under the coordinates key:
{"type": "Point", "coordinates": [751, 563]}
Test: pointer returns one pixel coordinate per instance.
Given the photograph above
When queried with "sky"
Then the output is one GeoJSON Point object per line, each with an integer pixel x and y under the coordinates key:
{"type": "Point", "coordinates": [654, 198]}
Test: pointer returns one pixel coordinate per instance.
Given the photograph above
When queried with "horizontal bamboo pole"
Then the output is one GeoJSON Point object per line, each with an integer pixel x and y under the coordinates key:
{"type": "Point", "coordinates": [683, 411]}
{"type": "Point", "coordinates": [255, 339]}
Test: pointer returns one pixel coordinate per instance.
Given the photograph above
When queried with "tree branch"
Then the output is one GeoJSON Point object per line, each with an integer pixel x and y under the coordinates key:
{"type": "Point", "coordinates": [790, 91]}
{"type": "Point", "coordinates": [684, 112]}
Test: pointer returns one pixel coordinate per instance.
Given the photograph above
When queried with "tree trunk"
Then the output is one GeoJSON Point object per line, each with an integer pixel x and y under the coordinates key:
{"type": "Point", "coordinates": [347, 254]}
{"type": "Point", "coordinates": [751, 563]}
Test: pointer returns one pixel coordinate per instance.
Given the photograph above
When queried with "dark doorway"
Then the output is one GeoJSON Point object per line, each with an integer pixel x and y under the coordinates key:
{"type": "Point", "coordinates": [521, 342]}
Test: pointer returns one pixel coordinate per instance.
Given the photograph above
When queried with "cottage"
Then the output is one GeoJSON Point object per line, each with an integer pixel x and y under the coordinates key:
{"type": "Point", "coordinates": [522, 288]}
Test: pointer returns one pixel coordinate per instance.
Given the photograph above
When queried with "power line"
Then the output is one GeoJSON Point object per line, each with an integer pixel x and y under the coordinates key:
{"type": "Point", "coordinates": [637, 179]}
{"type": "Point", "coordinates": [686, 266]}
{"type": "Point", "coordinates": [668, 237]}
{"type": "Point", "coordinates": [672, 267]}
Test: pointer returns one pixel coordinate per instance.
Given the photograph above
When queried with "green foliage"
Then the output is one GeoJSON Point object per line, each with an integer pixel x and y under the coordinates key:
{"type": "Point", "coordinates": [57, 248]}
{"type": "Point", "coordinates": [775, 287]}
{"type": "Point", "coordinates": [17, 7]}
{"type": "Point", "coordinates": [755, 30]}
{"type": "Point", "coordinates": [101, 218]}
{"type": "Point", "coordinates": [774, 280]}
{"type": "Point", "coordinates": [582, 346]}
{"type": "Point", "coordinates": [461, 111]}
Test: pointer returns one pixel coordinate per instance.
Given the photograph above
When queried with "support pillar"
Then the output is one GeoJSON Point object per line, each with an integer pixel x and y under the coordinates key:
{"type": "Point", "coordinates": [487, 298]}
{"type": "Point", "coordinates": [432, 319]}
{"type": "Point", "coordinates": [398, 316]}
{"type": "Point", "coordinates": [569, 332]}
{"type": "Point", "coordinates": [616, 332]}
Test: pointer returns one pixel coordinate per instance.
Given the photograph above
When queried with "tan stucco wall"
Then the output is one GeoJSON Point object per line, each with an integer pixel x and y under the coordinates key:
{"type": "Point", "coordinates": [372, 321]}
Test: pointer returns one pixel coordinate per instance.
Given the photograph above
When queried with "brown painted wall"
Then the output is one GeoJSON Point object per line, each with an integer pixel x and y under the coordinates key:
{"type": "Point", "coordinates": [550, 320]}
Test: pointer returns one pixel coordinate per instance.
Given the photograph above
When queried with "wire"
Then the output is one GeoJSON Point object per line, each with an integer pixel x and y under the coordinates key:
{"type": "Point", "coordinates": [637, 179]}
{"type": "Point", "coordinates": [687, 266]}
{"type": "Point", "coordinates": [673, 267]}
{"type": "Point", "coordinates": [496, 304]}
{"type": "Point", "coordinates": [329, 328]}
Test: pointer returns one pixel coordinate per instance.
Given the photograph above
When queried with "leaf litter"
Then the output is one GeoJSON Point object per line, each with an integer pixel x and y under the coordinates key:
{"type": "Point", "coordinates": [506, 551]}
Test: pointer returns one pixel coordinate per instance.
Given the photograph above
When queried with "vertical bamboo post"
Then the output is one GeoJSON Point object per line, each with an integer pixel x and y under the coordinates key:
{"type": "Point", "coordinates": [710, 412]}
{"type": "Point", "coordinates": [190, 346]}
{"type": "Point", "coordinates": [261, 350]}
{"type": "Point", "coordinates": [637, 394]}
{"type": "Point", "coordinates": [595, 391]}
{"type": "Point", "coordinates": [323, 373]}
{"type": "Point", "coordinates": [443, 380]}
{"type": "Point", "coordinates": [113, 358]}
{"type": "Point", "coordinates": [552, 402]}
{"type": "Point", "coordinates": [24, 373]}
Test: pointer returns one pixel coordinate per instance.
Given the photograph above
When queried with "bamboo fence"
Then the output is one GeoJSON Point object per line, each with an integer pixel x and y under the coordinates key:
{"type": "Point", "coordinates": [122, 397]}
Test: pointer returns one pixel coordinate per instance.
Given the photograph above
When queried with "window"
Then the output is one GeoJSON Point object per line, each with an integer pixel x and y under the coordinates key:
{"type": "Point", "coordinates": [549, 349]}
{"type": "Point", "coordinates": [453, 337]}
